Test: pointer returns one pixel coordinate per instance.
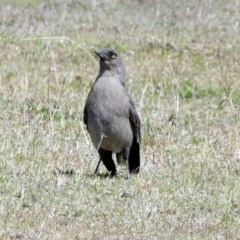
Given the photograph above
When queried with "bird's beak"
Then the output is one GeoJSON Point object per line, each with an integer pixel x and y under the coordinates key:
{"type": "Point", "coordinates": [101, 54]}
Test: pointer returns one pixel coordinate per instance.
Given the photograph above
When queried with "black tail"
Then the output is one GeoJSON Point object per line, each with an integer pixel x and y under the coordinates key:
{"type": "Point", "coordinates": [134, 157]}
{"type": "Point", "coordinates": [106, 157]}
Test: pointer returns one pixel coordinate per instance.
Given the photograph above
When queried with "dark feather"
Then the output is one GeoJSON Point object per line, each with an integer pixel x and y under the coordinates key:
{"type": "Point", "coordinates": [85, 116]}
{"type": "Point", "coordinates": [134, 156]}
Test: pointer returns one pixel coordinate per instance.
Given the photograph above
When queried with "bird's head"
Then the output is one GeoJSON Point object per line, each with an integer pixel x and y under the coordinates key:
{"type": "Point", "coordinates": [111, 60]}
{"type": "Point", "coordinates": [108, 58]}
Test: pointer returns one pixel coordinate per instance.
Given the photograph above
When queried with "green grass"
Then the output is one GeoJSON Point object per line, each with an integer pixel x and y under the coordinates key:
{"type": "Point", "coordinates": [182, 61]}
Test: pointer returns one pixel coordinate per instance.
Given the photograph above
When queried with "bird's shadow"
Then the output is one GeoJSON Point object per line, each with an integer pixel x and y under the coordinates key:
{"type": "Point", "coordinates": [72, 172]}
{"type": "Point", "coordinates": [102, 175]}
{"type": "Point", "coordinates": [68, 172]}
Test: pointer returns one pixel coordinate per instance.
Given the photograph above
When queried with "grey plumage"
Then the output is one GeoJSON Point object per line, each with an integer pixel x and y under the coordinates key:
{"type": "Point", "coordinates": [110, 115]}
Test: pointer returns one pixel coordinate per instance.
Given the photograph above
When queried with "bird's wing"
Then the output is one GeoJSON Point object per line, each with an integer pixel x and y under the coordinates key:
{"type": "Point", "coordinates": [134, 120]}
{"type": "Point", "coordinates": [134, 156]}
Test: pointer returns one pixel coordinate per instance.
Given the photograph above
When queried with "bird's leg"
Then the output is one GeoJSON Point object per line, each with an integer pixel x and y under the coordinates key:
{"type": "Point", "coordinates": [127, 166]}
{"type": "Point", "coordinates": [125, 154]}
{"type": "Point", "coordinates": [96, 170]}
{"type": "Point", "coordinates": [120, 159]}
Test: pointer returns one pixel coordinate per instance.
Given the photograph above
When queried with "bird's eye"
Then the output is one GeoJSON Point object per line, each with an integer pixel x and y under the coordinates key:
{"type": "Point", "coordinates": [113, 56]}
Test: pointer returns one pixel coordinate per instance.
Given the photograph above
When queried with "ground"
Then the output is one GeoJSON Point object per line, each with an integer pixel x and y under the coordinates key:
{"type": "Point", "coordinates": [182, 61]}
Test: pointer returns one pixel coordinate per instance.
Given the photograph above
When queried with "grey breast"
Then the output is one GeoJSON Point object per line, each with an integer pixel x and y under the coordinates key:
{"type": "Point", "coordinates": [108, 116]}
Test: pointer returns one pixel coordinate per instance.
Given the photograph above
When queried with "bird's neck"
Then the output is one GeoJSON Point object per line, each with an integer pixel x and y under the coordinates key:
{"type": "Point", "coordinates": [120, 75]}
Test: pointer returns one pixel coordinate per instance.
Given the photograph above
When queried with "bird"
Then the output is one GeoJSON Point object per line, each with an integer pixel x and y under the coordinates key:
{"type": "Point", "coordinates": [110, 116]}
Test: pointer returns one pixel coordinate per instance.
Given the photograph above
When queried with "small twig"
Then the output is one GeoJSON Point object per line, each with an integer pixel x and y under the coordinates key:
{"type": "Point", "coordinates": [96, 169]}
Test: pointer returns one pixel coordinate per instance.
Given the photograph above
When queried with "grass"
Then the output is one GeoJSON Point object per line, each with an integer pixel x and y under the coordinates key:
{"type": "Point", "coordinates": [182, 62]}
